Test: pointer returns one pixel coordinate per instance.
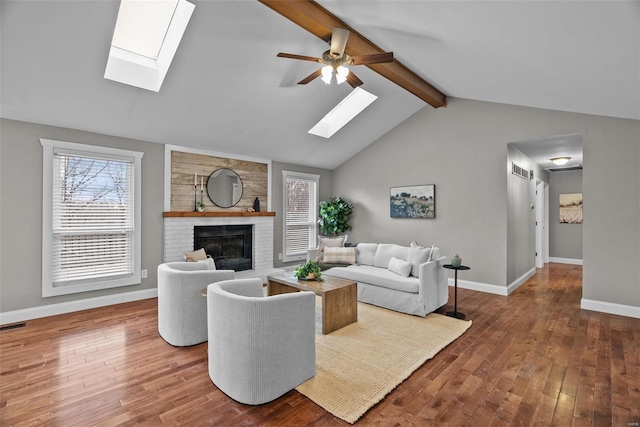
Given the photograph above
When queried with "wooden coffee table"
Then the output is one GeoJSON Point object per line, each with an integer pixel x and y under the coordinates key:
{"type": "Point", "coordinates": [339, 297]}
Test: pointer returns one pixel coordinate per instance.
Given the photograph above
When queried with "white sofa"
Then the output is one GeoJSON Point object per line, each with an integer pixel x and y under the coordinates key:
{"type": "Point", "coordinates": [409, 279]}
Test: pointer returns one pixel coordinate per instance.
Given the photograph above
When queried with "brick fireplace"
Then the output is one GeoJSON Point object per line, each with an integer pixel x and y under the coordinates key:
{"type": "Point", "coordinates": [179, 234]}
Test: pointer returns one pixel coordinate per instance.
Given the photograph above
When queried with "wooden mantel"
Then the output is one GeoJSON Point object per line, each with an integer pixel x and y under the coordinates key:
{"type": "Point", "coordinates": [214, 214]}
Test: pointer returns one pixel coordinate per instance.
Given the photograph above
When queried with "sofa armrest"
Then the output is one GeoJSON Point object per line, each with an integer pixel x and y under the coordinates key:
{"type": "Point", "coordinates": [434, 283]}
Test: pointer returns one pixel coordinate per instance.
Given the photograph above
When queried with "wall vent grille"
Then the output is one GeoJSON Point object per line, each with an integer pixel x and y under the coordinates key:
{"type": "Point", "coordinates": [519, 171]}
{"type": "Point", "coordinates": [14, 326]}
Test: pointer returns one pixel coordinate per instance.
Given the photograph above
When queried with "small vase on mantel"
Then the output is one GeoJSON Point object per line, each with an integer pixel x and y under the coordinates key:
{"type": "Point", "coordinates": [456, 261]}
{"type": "Point", "coordinates": [256, 205]}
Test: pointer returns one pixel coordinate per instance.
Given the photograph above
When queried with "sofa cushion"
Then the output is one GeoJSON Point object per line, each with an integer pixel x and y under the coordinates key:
{"type": "Point", "coordinates": [400, 267]}
{"type": "Point", "coordinates": [417, 255]}
{"type": "Point", "coordinates": [375, 276]}
{"type": "Point", "coordinates": [339, 255]}
{"type": "Point", "coordinates": [388, 250]}
{"type": "Point", "coordinates": [366, 253]}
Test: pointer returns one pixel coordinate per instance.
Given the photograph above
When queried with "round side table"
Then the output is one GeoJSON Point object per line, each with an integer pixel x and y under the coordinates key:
{"type": "Point", "coordinates": [455, 313]}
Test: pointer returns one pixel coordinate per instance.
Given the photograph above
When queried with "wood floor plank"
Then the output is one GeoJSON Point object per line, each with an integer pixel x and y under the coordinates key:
{"type": "Point", "coordinates": [532, 358]}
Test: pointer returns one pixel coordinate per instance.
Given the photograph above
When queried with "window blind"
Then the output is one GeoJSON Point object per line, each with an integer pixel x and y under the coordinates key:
{"type": "Point", "coordinates": [300, 215]}
{"type": "Point", "coordinates": [93, 218]}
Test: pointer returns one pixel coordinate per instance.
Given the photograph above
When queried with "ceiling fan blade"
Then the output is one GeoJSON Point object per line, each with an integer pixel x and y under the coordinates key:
{"type": "Point", "coordinates": [317, 73]}
{"type": "Point", "coordinates": [376, 58]}
{"type": "Point", "coordinates": [353, 80]}
{"type": "Point", "coordinates": [302, 57]}
{"type": "Point", "coordinates": [338, 41]}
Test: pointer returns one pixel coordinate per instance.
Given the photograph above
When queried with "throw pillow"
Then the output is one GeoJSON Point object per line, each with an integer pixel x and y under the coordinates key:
{"type": "Point", "coordinates": [339, 255]}
{"type": "Point", "coordinates": [194, 256]}
{"type": "Point", "coordinates": [400, 267]}
{"type": "Point", "coordinates": [418, 255]}
{"type": "Point", "coordinates": [331, 242]}
{"type": "Point", "coordinates": [435, 253]}
{"type": "Point", "coordinates": [386, 251]}
{"type": "Point", "coordinates": [366, 253]}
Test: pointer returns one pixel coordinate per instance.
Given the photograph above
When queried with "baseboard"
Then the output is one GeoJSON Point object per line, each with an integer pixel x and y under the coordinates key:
{"type": "Point", "coordinates": [71, 306]}
{"type": "Point", "coordinates": [565, 260]}
{"type": "Point", "coordinates": [610, 307]}
{"type": "Point", "coordinates": [478, 286]}
{"type": "Point", "coordinates": [520, 280]}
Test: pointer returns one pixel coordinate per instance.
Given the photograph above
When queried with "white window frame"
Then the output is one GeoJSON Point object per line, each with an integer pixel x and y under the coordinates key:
{"type": "Point", "coordinates": [48, 148]}
{"type": "Point", "coordinates": [313, 224]}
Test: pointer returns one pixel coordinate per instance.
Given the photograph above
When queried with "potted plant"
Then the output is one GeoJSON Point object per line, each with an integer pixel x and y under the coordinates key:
{"type": "Point", "coordinates": [200, 206]}
{"type": "Point", "coordinates": [310, 270]}
{"type": "Point", "coordinates": [334, 216]}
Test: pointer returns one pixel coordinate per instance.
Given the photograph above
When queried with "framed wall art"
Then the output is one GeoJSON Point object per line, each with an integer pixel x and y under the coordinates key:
{"type": "Point", "coordinates": [415, 201]}
{"type": "Point", "coordinates": [571, 208]}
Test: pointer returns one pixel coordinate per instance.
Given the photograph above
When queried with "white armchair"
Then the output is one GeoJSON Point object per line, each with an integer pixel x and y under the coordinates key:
{"type": "Point", "coordinates": [259, 347]}
{"type": "Point", "coordinates": [182, 308]}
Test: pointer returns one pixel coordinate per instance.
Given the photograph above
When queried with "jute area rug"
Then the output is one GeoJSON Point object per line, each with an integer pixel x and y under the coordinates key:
{"type": "Point", "coordinates": [358, 365]}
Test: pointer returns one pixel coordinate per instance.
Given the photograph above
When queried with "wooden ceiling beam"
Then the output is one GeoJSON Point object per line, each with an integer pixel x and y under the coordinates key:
{"type": "Point", "coordinates": [319, 21]}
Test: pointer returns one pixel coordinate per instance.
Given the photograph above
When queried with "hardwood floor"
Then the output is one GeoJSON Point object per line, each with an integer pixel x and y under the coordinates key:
{"type": "Point", "coordinates": [533, 358]}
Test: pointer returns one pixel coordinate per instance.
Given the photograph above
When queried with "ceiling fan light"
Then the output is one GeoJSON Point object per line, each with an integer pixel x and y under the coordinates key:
{"type": "Point", "coordinates": [560, 160]}
{"type": "Point", "coordinates": [327, 72]}
{"type": "Point", "coordinates": [341, 74]}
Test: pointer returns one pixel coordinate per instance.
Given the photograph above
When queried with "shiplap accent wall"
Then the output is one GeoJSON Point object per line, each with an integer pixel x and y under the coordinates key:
{"type": "Point", "coordinates": [254, 176]}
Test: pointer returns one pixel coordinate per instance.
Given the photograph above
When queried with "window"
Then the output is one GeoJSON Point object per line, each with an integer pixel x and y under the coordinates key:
{"type": "Point", "coordinates": [300, 214]}
{"type": "Point", "coordinates": [91, 217]}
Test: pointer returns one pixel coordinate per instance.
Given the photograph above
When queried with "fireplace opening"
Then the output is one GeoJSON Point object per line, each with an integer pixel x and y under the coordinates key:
{"type": "Point", "coordinates": [230, 246]}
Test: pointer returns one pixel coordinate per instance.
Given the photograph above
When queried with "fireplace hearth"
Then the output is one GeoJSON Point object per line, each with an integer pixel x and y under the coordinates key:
{"type": "Point", "coordinates": [230, 246]}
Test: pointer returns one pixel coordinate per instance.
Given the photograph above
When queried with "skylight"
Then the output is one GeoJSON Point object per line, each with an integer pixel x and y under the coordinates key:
{"type": "Point", "coordinates": [343, 113]}
{"type": "Point", "coordinates": [142, 26]}
{"type": "Point", "coordinates": [145, 39]}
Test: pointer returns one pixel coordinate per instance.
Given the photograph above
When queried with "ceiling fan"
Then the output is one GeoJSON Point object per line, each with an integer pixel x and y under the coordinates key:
{"type": "Point", "coordinates": [336, 61]}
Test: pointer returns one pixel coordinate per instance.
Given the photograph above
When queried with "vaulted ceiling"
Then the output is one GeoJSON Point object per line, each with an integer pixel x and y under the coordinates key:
{"type": "Point", "coordinates": [226, 90]}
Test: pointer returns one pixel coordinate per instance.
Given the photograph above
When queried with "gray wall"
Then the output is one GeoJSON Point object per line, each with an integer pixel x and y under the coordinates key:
{"type": "Point", "coordinates": [521, 219]}
{"type": "Point", "coordinates": [565, 240]}
{"type": "Point", "coordinates": [21, 211]}
{"type": "Point", "coordinates": [611, 196]}
{"type": "Point", "coordinates": [325, 192]}
{"type": "Point", "coordinates": [463, 150]}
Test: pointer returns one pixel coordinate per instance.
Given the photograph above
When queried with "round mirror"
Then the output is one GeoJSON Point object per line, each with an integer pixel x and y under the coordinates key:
{"type": "Point", "coordinates": [224, 188]}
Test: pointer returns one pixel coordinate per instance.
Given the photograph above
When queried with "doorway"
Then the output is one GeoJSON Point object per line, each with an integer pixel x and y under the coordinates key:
{"type": "Point", "coordinates": [542, 223]}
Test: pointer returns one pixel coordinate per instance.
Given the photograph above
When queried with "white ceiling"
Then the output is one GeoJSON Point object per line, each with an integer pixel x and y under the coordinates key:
{"type": "Point", "coordinates": [227, 92]}
{"type": "Point", "coordinates": [543, 150]}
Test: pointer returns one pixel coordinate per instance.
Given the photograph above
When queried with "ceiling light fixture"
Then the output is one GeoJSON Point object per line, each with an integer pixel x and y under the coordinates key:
{"type": "Point", "coordinates": [327, 73]}
{"type": "Point", "coordinates": [340, 70]}
{"type": "Point", "coordinates": [559, 161]}
{"type": "Point", "coordinates": [341, 74]}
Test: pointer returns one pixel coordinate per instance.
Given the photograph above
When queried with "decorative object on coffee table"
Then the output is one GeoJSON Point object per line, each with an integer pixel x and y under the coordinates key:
{"type": "Point", "coordinates": [455, 313]}
{"type": "Point", "coordinates": [310, 270]}
{"type": "Point", "coordinates": [415, 201]}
